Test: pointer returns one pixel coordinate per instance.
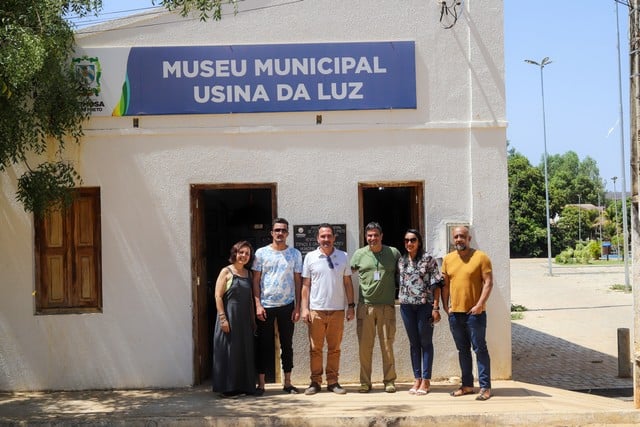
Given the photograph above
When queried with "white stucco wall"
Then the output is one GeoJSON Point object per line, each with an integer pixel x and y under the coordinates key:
{"type": "Point", "coordinates": [454, 141]}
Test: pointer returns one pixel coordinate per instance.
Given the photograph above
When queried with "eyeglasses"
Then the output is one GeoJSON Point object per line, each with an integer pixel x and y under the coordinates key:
{"type": "Point", "coordinates": [280, 230]}
{"type": "Point", "coordinates": [411, 240]}
{"type": "Point", "coordinates": [330, 262]}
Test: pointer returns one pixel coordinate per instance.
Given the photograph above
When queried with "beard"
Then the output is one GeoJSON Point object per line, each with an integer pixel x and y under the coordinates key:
{"type": "Point", "coordinates": [461, 247]}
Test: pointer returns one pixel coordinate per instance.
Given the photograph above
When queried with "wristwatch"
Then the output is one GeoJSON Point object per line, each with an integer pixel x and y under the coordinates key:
{"type": "Point", "coordinates": [352, 305]}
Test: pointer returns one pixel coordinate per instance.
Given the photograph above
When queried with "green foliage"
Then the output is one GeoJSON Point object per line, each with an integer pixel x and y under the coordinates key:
{"type": "Point", "coordinates": [527, 217]}
{"type": "Point", "coordinates": [582, 254]}
{"type": "Point", "coordinates": [575, 224]}
{"type": "Point", "coordinates": [570, 177]}
{"type": "Point", "coordinates": [618, 287]}
{"type": "Point", "coordinates": [42, 100]}
{"type": "Point", "coordinates": [594, 248]}
{"type": "Point", "coordinates": [517, 316]}
{"type": "Point", "coordinates": [518, 308]}
{"type": "Point", "coordinates": [207, 9]}
{"type": "Point", "coordinates": [571, 182]}
{"type": "Point", "coordinates": [47, 187]}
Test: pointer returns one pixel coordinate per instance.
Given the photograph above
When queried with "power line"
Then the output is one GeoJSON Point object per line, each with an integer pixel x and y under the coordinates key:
{"type": "Point", "coordinates": [115, 12]}
{"type": "Point", "coordinates": [162, 10]}
{"type": "Point", "coordinates": [82, 21]}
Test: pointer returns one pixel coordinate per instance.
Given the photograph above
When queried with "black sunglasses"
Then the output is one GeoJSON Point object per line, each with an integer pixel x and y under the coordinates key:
{"type": "Point", "coordinates": [411, 240]}
{"type": "Point", "coordinates": [280, 230]}
{"type": "Point", "coordinates": [330, 262]}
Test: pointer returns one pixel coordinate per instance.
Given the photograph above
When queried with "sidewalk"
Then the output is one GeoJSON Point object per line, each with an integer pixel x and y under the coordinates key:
{"type": "Point", "coordinates": [568, 336]}
{"type": "Point", "coordinates": [514, 403]}
{"type": "Point", "coordinates": [567, 340]}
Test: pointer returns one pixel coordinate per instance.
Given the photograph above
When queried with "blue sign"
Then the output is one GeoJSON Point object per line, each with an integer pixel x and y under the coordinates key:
{"type": "Point", "coordinates": [269, 78]}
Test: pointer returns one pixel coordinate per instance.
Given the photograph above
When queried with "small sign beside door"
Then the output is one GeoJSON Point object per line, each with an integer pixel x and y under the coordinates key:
{"type": "Point", "coordinates": [305, 237]}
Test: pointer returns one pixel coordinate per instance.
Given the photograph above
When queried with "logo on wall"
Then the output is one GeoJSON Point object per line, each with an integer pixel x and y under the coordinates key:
{"type": "Point", "coordinates": [90, 70]}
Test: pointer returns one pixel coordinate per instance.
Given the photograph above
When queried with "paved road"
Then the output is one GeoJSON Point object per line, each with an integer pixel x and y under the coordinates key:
{"type": "Point", "coordinates": [568, 336]}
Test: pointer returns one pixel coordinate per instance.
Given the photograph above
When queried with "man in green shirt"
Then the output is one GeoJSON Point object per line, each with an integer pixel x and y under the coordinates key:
{"type": "Point", "coordinates": [376, 315]}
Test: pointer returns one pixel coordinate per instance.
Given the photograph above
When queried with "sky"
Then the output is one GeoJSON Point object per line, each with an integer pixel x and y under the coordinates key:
{"type": "Point", "coordinates": [581, 84]}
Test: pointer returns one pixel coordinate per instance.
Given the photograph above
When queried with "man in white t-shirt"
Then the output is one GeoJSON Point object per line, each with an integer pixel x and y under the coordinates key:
{"type": "Point", "coordinates": [326, 289]}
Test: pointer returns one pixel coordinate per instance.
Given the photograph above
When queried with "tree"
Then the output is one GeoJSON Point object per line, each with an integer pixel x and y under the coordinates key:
{"type": "Point", "coordinates": [207, 9]}
{"type": "Point", "coordinates": [575, 225]}
{"type": "Point", "coordinates": [613, 230]}
{"type": "Point", "coordinates": [43, 101]}
{"type": "Point", "coordinates": [571, 181]}
{"type": "Point", "coordinates": [570, 177]}
{"type": "Point", "coordinates": [527, 214]}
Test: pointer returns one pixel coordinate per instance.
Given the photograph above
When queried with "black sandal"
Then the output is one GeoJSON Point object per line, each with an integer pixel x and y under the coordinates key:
{"type": "Point", "coordinates": [290, 389]}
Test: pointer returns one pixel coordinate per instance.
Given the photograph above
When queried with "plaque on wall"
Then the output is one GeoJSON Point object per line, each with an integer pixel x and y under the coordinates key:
{"type": "Point", "coordinates": [305, 237]}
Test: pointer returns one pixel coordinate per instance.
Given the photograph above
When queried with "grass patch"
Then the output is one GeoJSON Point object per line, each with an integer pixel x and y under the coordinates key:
{"type": "Point", "coordinates": [620, 288]}
{"type": "Point", "coordinates": [603, 262]}
{"type": "Point", "coordinates": [517, 316]}
{"type": "Point", "coordinates": [517, 311]}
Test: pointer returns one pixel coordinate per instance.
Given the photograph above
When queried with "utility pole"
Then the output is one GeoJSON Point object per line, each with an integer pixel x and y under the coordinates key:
{"type": "Point", "coordinates": [634, 95]}
{"type": "Point", "coordinates": [615, 206]}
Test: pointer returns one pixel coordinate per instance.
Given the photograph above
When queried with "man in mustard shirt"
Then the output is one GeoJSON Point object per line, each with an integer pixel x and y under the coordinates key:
{"type": "Point", "coordinates": [467, 284]}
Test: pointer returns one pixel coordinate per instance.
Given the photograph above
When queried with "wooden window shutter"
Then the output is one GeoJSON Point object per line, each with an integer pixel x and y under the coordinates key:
{"type": "Point", "coordinates": [68, 257]}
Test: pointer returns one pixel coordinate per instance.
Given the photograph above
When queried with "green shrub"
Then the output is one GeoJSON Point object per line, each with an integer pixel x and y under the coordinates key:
{"type": "Point", "coordinates": [595, 249]}
{"type": "Point", "coordinates": [582, 254]}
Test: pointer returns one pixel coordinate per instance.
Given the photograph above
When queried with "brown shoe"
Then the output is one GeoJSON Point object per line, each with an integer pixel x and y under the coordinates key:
{"type": "Point", "coordinates": [462, 391]}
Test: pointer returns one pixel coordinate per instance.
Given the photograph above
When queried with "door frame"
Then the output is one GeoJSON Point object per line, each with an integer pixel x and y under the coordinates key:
{"type": "Point", "coordinates": [199, 262]}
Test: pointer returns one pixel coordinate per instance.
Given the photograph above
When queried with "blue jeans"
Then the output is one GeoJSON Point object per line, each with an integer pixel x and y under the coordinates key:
{"type": "Point", "coordinates": [419, 326]}
{"type": "Point", "coordinates": [470, 330]}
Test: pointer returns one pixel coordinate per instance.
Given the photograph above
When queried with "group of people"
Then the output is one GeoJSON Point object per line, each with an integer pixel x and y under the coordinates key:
{"type": "Point", "coordinates": [278, 288]}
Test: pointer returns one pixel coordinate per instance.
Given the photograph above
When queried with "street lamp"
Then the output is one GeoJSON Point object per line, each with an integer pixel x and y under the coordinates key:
{"type": "Point", "coordinates": [542, 64]}
{"type": "Point", "coordinates": [615, 205]}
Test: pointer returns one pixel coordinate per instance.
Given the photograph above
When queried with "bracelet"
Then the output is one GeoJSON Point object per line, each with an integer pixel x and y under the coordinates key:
{"type": "Point", "coordinates": [352, 305]}
{"type": "Point", "coordinates": [436, 308]}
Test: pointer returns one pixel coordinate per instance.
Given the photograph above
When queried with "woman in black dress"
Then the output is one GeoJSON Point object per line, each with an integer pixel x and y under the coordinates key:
{"type": "Point", "coordinates": [233, 354]}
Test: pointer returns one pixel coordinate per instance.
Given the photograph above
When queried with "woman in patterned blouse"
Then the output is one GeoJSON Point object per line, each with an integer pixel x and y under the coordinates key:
{"type": "Point", "coordinates": [420, 284]}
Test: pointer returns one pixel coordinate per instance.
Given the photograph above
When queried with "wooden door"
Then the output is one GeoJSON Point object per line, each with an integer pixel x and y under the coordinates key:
{"type": "Point", "coordinates": [201, 322]}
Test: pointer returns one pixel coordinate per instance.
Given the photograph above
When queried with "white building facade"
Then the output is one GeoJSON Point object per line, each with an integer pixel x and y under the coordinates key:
{"type": "Point", "coordinates": [315, 111]}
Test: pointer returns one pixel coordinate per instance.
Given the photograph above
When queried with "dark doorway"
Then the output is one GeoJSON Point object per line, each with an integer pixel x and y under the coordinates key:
{"type": "Point", "coordinates": [222, 216]}
{"type": "Point", "coordinates": [396, 206]}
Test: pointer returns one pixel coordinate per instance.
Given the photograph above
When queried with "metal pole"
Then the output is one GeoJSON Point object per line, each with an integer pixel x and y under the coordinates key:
{"type": "Point", "coordinates": [541, 64]}
{"type": "Point", "coordinates": [546, 171]}
{"type": "Point", "coordinates": [625, 232]}
{"type": "Point", "coordinates": [634, 101]}
{"type": "Point", "coordinates": [615, 205]}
